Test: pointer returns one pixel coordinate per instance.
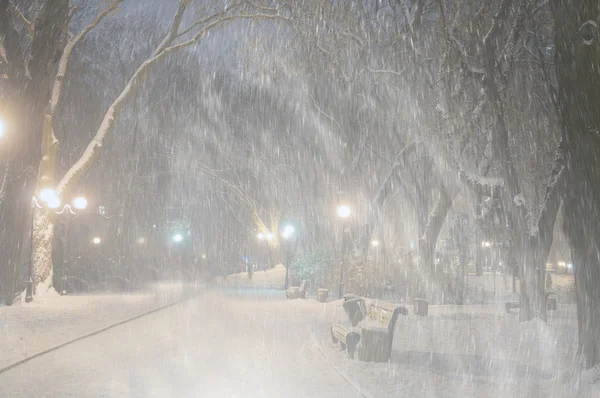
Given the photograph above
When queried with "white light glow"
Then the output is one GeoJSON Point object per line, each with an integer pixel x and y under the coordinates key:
{"type": "Point", "coordinates": [96, 240]}
{"type": "Point", "coordinates": [288, 231]}
{"type": "Point", "coordinates": [261, 236]}
{"type": "Point", "coordinates": [177, 237]}
{"type": "Point", "coordinates": [343, 211]}
{"type": "Point", "coordinates": [80, 203]}
{"type": "Point", "coordinates": [53, 203]}
{"type": "Point", "coordinates": [375, 243]}
{"type": "Point", "coordinates": [48, 194]}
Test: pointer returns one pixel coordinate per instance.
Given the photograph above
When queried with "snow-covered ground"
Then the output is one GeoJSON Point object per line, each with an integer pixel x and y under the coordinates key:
{"type": "Point", "coordinates": [254, 343]}
{"type": "Point", "coordinates": [273, 278]}
{"type": "Point", "coordinates": [29, 328]}
{"type": "Point", "coordinates": [472, 351]}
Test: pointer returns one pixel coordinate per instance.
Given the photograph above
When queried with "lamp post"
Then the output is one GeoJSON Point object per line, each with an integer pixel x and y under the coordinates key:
{"type": "Point", "coordinates": [287, 234]}
{"type": "Point", "coordinates": [80, 203]}
{"type": "Point", "coordinates": [343, 211]}
{"type": "Point", "coordinates": [52, 202]}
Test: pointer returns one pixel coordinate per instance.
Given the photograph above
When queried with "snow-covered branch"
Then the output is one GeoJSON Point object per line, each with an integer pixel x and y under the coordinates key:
{"type": "Point", "coordinates": [68, 50]}
{"type": "Point", "coordinates": [92, 151]}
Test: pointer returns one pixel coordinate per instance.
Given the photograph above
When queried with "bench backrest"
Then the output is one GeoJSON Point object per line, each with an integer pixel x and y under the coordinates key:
{"type": "Point", "coordinates": [385, 313]}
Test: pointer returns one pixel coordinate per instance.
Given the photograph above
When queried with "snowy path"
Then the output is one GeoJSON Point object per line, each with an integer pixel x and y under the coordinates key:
{"type": "Point", "coordinates": [217, 345]}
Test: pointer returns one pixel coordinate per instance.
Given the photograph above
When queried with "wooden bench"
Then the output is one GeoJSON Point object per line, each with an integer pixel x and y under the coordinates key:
{"type": "Point", "coordinates": [347, 335]}
{"type": "Point", "coordinates": [377, 331]}
{"type": "Point", "coordinates": [295, 292]}
{"type": "Point", "coordinates": [372, 331]}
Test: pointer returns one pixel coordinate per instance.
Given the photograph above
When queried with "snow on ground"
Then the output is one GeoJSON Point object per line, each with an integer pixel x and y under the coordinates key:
{"type": "Point", "coordinates": [254, 342]}
{"type": "Point", "coordinates": [273, 278]}
{"type": "Point", "coordinates": [28, 328]}
{"type": "Point", "coordinates": [471, 351]}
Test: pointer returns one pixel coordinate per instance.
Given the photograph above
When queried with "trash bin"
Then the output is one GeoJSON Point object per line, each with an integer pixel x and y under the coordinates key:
{"type": "Point", "coordinates": [322, 295]}
{"type": "Point", "coordinates": [355, 308]}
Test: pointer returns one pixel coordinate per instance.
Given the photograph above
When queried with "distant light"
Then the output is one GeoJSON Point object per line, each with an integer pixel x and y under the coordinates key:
{"type": "Point", "coordinates": [204, 255]}
{"type": "Point", "coordinates": [343, 211]}
{"type": "Point", "coordinates": [288, 231]}
{"type": "Point", "coordinates": [141, 240]}
{"type": "Point", "coordinates": [375, 243]}
{"type": "Point", "coordinates": [261, 236]}
{"type": "Point", "coordinates": [486, 244]}
{"type": "Point", "coordinates": [269, 236]}
{"type": "Point", "coordinates": [177, 237]}
{"type": "Point", "coordinates": [1, 128]}
{"type": "Point", "coordinates": [570, 266]}
{"type": "Point", "coordinates": [80, 203]}
{"type": "Point", "coordinates": [153, 225]}
{"type": "Point", "coordinates": [96, 240]}
{"type": "Point", "coordinates": [562, 264]}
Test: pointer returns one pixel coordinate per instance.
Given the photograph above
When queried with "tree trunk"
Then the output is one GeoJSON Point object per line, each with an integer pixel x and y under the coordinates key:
{"type": "Point", "coordinates": [577, 63]}
{"type": "Point", "coordinates": [27, 96]}
{"type": "Point", "coordinates": [41, 251]}
{"type": "Point", "coordinates": [530, 296]}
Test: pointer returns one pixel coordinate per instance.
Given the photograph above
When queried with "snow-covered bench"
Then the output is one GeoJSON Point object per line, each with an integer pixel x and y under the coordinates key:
{"type": "Point", "coordinates": [550, 303]}
{"type": "Point", "coordinates": [295, 292]}
{"type": "Point", "coordinates": [372, 328]}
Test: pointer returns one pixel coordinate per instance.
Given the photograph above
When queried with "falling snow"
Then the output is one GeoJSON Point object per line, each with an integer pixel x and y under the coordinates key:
{"type": "Point", "coordinates": [219, 156]}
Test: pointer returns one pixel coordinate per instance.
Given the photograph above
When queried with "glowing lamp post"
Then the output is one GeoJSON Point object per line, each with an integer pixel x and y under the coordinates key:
{"type": "Point", "coordinates": [50, 200]}
{"type": "Point", "coordinates": [343, 212]}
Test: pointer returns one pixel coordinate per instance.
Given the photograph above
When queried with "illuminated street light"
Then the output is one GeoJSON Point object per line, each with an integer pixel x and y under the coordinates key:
{"type": "Point", "coordinates": [141, 240]}
{"type": "Point", "coordinates": [96, 240]}
{"type": "Point", "coordinates": [204, 256]}
{"type": "Point", "coordinates": [80, 203]}
{"type": "Point", "coordinates": [288, 231]}
{"type": "Point", "coordinates": [177, 238]}
{"type": "Point", "coordinates": [269, 236]}
{"type": "Point", "coordinates": [343, 211]}
{"type": "Point", "coordinates": [375, 243]}
{"type": "Point", "coordinates": [486, 244]}
{"type": "Point", "coordinates": [261, 236]}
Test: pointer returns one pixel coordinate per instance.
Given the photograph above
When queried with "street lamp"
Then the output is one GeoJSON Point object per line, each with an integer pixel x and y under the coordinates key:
{"type": "Point", "coordinates": [203, 256]}
{"type": "Point", "coordinates": [50, 198]}
{"type": "Point", "coordinates": [96, 241]}
{"type": "Point", "coordinates": [80, 203]}
{"type": "Point", "coordinates": [343, 212]}
{"type": "Point", "coordinates": [375, 243]}
{"type": "Point", "coordinates": [177, 238]}
{"type": "Point", "coordinates": [287, 234]}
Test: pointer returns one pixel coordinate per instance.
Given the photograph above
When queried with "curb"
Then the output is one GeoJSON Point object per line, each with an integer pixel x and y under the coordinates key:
{"type": "Point", "coordinates": [358, 388]}
{"type": "Point", "coordinates": [85, 336]}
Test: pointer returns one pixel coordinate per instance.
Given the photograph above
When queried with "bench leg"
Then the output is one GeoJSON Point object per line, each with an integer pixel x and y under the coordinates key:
{"type": "Point", "coordinates": [352, 341]}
